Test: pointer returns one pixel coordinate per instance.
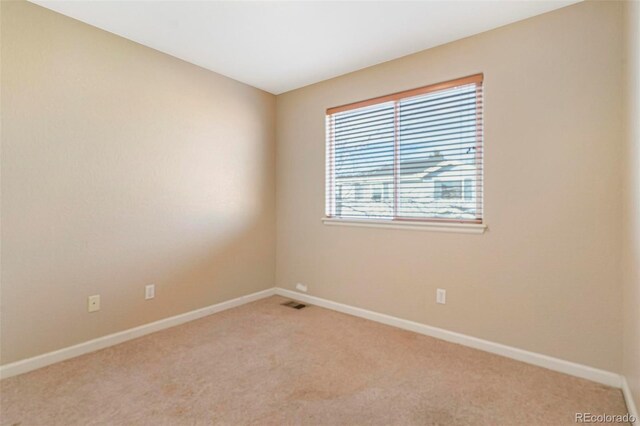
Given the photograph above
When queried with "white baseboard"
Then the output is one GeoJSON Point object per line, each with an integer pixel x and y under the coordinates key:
{"type": "Point", "coordinates": [556, 364]}
{"type": "Point", "coordinates": [583, 371]}
{"type": "Point", "coordinates": [631, 405]}
{"type": "Point", "coordinates": [29, 364]}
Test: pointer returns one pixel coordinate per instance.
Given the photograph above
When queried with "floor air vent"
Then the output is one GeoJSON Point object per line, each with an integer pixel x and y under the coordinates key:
{"type": "Point", "coordinates": [294, 305]}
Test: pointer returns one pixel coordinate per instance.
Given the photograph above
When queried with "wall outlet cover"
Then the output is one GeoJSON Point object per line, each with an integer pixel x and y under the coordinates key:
{"type": "Point", "coordinates": [93, 303]}
{"type": "Point", "coordinates": [149, 291]}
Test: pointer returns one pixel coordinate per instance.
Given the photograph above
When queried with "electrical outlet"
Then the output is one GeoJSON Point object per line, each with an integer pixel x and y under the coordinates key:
{"type": "Point", "coordinates": [441, 296]}
{"type": "Point", "coordinates": [93, 303]}
{"type": "Point", "coordinates": [301, 287]}
{"type": "Point", "coordinates": [149, 291]}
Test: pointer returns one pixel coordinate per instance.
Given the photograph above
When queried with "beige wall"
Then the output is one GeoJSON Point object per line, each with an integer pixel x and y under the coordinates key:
{"type": "Point", "coordinates": [122, 166]}
{"type": "Point", "coordinates": [631, 295]}
{"type": "Point", "coordinates": [546, 276]}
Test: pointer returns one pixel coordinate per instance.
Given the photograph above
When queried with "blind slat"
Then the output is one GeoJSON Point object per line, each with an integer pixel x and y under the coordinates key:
{"type": "Point", "coordinates": [375, 115]}
{"type": "Point", "coordinates": [439, 124]}
{"type": "Point", "coordinates": [416, 157]}
{"type": "Point", "coordinates": [467, 137]}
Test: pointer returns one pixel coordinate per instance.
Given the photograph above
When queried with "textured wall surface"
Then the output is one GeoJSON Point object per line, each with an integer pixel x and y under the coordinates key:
{"type": "Point", "coordinates": [546, 276]}
{"type": "Point", "coordinates": [123, 166]}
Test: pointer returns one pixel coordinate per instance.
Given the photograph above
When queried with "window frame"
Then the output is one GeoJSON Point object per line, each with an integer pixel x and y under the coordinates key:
{"type": "Point", "coordinates": [476, 225]}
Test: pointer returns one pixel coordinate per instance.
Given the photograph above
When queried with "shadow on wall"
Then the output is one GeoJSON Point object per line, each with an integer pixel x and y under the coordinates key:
{"type": "Point", "coordinates": [193, 269]}
{"type": "Point", "coordinates": [123, 167]}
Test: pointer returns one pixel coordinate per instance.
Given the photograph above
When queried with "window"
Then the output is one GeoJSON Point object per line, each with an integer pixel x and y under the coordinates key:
{"type": "Point", "coordinates": [418, 153]}
{"type": "Point", "coordinates": [376, 195]}
{"type": "Point", "coordinates": [451, 189]}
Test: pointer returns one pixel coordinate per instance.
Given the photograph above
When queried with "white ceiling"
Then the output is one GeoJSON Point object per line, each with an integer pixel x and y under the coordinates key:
{"type": "Point", "coordinates": [280, 46]}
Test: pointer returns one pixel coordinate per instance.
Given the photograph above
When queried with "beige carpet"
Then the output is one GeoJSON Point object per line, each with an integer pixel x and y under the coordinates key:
{"type": "Point", "coordinates": [264, 363]}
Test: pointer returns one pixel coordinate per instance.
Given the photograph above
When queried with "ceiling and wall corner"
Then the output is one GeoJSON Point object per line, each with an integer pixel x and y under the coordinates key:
{"type": "Point", "coordinates": [580, 322]}
{"type": "Point", "coordinates": [546, 275]}
{"type": "Point", "coordinates": [122, 167]}
{"type": "Point", "coordinates": [279, 46]}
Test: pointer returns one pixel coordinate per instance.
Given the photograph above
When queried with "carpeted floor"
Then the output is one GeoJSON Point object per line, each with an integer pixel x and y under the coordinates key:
{"type": "Point", "coordinates": [264, 363]}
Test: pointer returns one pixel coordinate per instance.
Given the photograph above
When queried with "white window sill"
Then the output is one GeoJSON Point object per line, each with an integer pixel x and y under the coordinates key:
{"type": "Point", "coordinates": [465, 228]}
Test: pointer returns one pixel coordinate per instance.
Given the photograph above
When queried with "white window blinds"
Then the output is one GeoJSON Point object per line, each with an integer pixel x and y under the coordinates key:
{"type": "Point", "coordinates": [414, 155]}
